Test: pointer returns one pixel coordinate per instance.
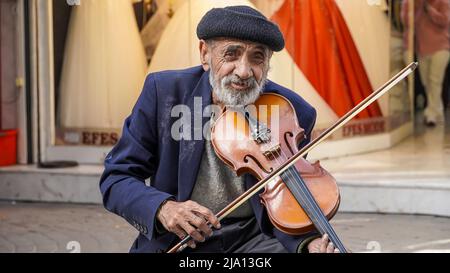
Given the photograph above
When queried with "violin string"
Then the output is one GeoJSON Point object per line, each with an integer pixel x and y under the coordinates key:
{"type": "Point", "coordinates": [321, 221]}
{"type": "Point", "coordinates": [329, 228]}
{"type": "Point", "coordinates": [330, 231]}
{"type": "Point", "coordinates": [316, 209]}
{"type": "Point", "coordinates": [306, 202]}
{"type": "Point", "coordinates": [321, 218]}
{"type": "Point", "coordinates": [312, 202]}
{"type": "Point", "coordinates": [315, 213]}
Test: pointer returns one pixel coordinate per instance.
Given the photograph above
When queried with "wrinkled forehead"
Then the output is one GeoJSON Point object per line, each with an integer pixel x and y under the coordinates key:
{"type": "Point", "coordinates": [237, 44]}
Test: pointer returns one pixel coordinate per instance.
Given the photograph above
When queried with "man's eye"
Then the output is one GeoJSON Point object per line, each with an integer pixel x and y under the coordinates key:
{"type": "Point", "coordinates": [230, 54]}
{"type": "Point", "coordinates": [259, 59]}
{"type": "Point", "coordinates": [259, 56]}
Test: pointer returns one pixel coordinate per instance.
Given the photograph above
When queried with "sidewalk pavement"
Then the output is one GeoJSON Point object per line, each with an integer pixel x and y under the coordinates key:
{"type": "Point", "coordinates": [53, 227]}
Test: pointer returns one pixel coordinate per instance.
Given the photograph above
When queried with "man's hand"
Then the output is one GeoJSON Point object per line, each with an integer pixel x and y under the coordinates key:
{"type": "Point", "coordinates": [188, 217]}
{"type": "Point", "coordinates": [322, 245]}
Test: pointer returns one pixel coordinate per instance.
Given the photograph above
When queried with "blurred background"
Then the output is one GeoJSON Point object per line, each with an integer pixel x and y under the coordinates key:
{"type": "Point", "coordinates": [71, 71]}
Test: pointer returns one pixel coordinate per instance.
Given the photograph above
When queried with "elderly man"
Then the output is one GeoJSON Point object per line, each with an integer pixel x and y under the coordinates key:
{"type": "Point", "coordinates": [189, 183]}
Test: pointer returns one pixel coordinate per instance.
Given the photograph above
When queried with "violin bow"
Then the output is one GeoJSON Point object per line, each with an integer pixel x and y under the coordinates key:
{"type": "Point", "coordinates": [307, 148]}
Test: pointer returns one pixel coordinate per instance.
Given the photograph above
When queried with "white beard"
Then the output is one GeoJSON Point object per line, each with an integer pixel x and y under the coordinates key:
{"type": "Point", "coordinates": [231, 97]}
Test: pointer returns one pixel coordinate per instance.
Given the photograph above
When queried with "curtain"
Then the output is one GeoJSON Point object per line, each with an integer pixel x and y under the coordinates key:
{"type": "Point", "coordinates": [321, 45]}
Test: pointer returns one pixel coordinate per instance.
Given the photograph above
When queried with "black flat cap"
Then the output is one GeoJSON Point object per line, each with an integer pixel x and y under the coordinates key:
{"type": "Point", "coordinates": [240, 22]}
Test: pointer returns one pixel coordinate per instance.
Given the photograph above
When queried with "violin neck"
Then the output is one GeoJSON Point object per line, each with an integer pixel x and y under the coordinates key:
{"type": "Point", "coordinates": [304, 197]}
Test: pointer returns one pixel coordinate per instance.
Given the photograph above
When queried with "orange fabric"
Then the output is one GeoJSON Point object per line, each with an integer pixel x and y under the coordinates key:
{"type": "Point", "coordinates": [321, 45]}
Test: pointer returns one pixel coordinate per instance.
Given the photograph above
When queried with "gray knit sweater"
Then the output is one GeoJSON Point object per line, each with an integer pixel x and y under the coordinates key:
{"type": "Point", "coordinates": [217, 185]}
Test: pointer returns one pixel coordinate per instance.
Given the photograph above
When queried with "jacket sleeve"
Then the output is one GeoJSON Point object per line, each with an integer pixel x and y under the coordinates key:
{"type": "Point", "coordinates": [308, 126]}
{"type": "Point", "coordinates": [131, 162]}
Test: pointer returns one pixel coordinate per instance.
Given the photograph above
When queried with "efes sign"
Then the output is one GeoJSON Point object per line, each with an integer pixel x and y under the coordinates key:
{"type": "Point", "coordinates": [87, 137]}
{"type": "Point", "coordinates": [365, 127]}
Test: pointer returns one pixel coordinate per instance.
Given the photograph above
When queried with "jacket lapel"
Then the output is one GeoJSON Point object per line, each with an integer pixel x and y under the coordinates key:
{"type": "Point", "coordinates": [191, 147]}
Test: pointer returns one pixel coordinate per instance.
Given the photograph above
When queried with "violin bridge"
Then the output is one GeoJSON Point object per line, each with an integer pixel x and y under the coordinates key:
{"type": "Point", "coordinates": [272, 151]}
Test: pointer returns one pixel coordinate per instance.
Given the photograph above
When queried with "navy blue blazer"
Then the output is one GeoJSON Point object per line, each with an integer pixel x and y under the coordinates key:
{"type": "Point", "coordinates": [147, 150]}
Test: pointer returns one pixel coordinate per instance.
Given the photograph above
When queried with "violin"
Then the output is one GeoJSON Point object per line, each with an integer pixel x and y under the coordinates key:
{"type": "Point", "coordinates": [302, 195]}
{"type": "Point", "coordinates": [299, 196]}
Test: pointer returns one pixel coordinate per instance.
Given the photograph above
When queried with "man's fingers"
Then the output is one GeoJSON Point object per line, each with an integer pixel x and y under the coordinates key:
{"type": "Point", "coordinates": [208, 214]}
{"type": "Point", "coordinates": [314, 246]}
{"type": "Point", "coordinates": [323, 247]}
{"type": "Point", "coordinates": [330, 248]}
{"type": "Point", "coordinates": [191, 243]}
{"type": "Point", "coordinates": [179, 232]}
{"type": "Point", "coordinates": [193, 232]}
{"type": "Point", "coordinates": [182, 234]}
{"type": "Point", "coordinates": [188, 218]}
{"type": "Point", "coordinates": [324, 244]}
{"type": "Point", "coordinates": [200, 223]}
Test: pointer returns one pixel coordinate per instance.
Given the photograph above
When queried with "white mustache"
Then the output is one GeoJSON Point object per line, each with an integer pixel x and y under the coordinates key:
{"type": "Point", "coordinates": [250, 82]}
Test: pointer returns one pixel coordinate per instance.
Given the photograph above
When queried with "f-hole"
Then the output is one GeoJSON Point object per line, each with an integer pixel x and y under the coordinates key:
{"type": "Point", "coordinates": [288, 143]}
{"type": "Point", "coordinates": [246, 160]}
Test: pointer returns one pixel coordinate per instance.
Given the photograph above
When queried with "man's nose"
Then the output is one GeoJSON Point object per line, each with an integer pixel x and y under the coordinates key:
{"type": "Point", "coordinates": [243, 70]}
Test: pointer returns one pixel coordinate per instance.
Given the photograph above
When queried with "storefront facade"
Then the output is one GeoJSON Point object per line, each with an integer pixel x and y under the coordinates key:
{"type": "Point", "coordinates": [81, 65]}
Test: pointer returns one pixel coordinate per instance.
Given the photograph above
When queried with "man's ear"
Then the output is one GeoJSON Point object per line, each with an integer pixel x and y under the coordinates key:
{"type": "Point", "coordinates": [204, 55]}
